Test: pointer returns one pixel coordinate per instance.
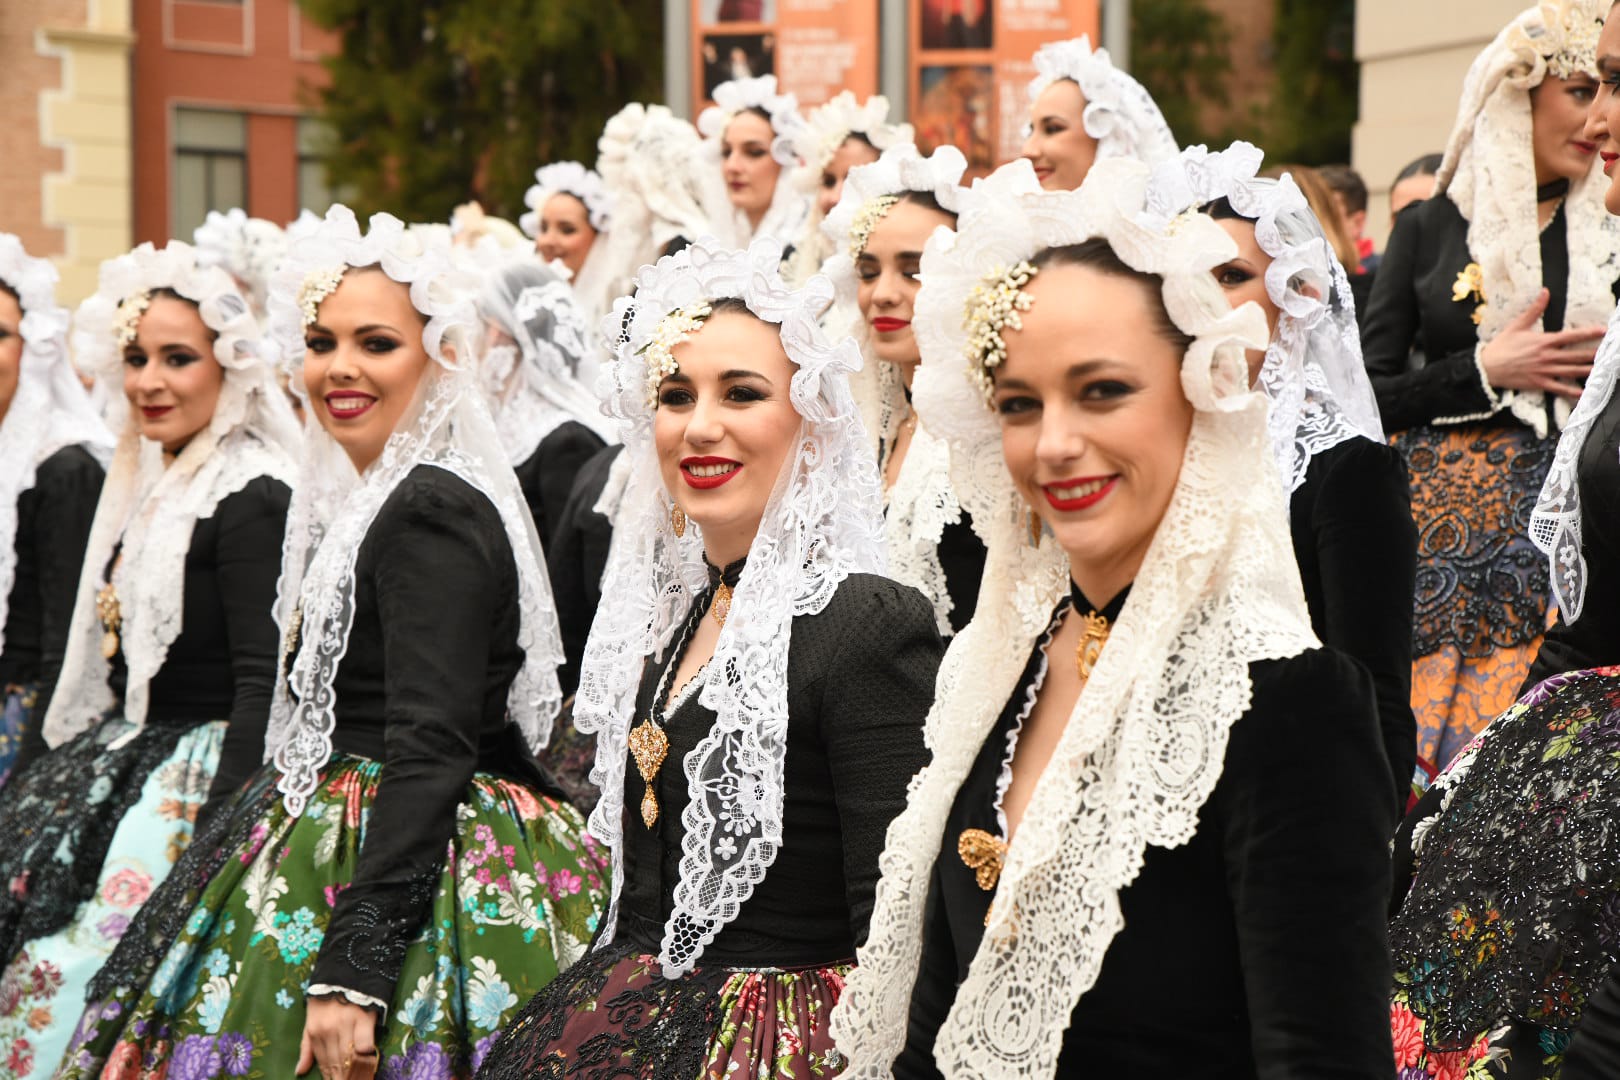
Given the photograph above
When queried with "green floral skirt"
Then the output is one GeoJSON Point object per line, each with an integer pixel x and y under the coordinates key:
{"type": "Point", "coordinates": [221, 993]}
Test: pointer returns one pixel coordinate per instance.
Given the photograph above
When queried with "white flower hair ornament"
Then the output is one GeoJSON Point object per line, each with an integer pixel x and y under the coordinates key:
{"type": "Point", "coordinates": [872, 190]}
{"type": "Point", "coordinates": [1313, 371]}
{"type": "Point", "coordinates": [829, 124]}
{"type": "Point", "coordinates": [822, 522]}
{"type": "Point", "coordinates": [448, 425]}
{"type": "Point", "coordinates": [1141, 752]}
{"type": "Point", "coordinates": [106, 322]}
{"type": "Point", "coordinates": [567, 178]}
{"type": "Point", "coordinates": [739, 95]}
{"type": "Point", "coordinates": [1119, 112]}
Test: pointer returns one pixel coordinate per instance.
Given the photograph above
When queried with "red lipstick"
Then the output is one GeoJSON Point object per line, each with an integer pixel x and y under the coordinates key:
{"type": "Point", "coordinates": [1585, 147]}
{"type": "Point", "coordinates": [885, 324]}
{"type": "Point", "coordinates": [348, 404]}
{"type": "Point", "coordinates": [1070, 503]}
{"type": "Point", "coordinates": [156, 412]}
{"type": "Point", "coordinates": [1608, 162]}
{"type": "Point", "coordinates": [705, 473]}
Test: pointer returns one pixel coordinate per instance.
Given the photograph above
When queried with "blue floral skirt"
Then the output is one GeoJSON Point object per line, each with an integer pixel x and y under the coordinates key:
{"type": "Point", "coordinates": [211, 980]}
{"type": "Point", "coordinates": [16, 718]}
{"type": "Point", "coordinates": [42, 987]}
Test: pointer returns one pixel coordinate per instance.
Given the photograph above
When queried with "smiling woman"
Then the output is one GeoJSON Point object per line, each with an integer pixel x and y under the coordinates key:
{"type": "Point", "coordinates": [755, 685]}
{"type": "Point", "coordinates": [417, 675]}
{"type": "Point", "coordinates": [749, 133]}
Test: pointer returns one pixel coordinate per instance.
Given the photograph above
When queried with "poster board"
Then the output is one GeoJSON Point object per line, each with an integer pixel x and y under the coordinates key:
{"type": "Point", "coordinates": [815, 48]}
{"type": "Point", "coordinates": [970, 64]}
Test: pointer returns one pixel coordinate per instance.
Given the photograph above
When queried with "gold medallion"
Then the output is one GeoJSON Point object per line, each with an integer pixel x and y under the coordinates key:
{"type": "Point", "coordinates": [1093, 635]}
{"type": "Point", "coordinates": [721, 609]}
{"type": "Point", "coordinates": [649, 746]}
{"type": "Point", "coordinates": [111, 615]}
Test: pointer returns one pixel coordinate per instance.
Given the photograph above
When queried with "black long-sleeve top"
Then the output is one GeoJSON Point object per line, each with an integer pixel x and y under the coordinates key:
{"type": "Point", "coordinates": [860, 681]}
{"type": "Point", "coordinates": [576, 558]}
{"type": "Point", "coordinates": [961, 556]}
{"type": "Point", "coordinates": [1357, 551]}
{"type": "Point", "coordinates": [1593, 640]}
{"type": "Point", "coordinates": [547, 476]}
{"type": "Point", "coordinates": [432, 652]}
{"type": "Point", "coordinates": [1256, 950]}
{"type": "Point", "coordinates": [1412, 307]}
{"type": "Point", "coordinates": [53, 527]}
{"type": "Point", "coordinates": [222, 664]}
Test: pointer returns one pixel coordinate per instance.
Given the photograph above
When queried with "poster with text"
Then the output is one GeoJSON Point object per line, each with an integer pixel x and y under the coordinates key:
{"type": "Point", "coordinates": [970, 64]}
{"type": "Point", "coordinates": [815, 48]}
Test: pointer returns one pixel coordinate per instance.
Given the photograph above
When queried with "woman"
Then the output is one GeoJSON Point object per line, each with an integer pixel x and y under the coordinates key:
{"type": "Point", "coordinates": [571, 215]}
{"type": "Point", "coordinates": [1508, 872]}
{"type": "Point", "coordinates": [756, 688]}
{"type": "Point", "coordinates": [1087, 826]}
{"type": "Point", "coordinates": [536, 342]}
{"type": "Point", "coordinates": [247, 248]}
{"type": "Point", "coordinates": [1083, 109]}
{"type": "Point", "coordinates": [1508, 323]}
{"type": "Point", "coordinates": [322, 922]}
{"type": "Point", "coordinates": [836, 137]}
{"type": "Point", "coordinates": [877, 231]}
{"type": "Point", "coordinates": [165, 686]}
{"type": "Point", "coordinates": [652, 162]}
{"type": "Point", "coordinates": [749, 133]}
{"type": "Point", "coordinates": [1349, 512]}
{"type": "Point", "coordinates": [53, 447]}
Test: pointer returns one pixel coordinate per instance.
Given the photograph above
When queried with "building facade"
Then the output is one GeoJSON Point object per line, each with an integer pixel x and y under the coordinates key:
{"type": "Point", "coordinates": [131, 119]}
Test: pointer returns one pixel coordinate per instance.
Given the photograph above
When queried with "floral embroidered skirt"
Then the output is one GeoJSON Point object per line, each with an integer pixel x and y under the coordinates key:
{"type": "Point", "coordinates": [1482, 586]}
{"type": "Point", "coordinates": [16, 718]}
{"type": "Point", "coordinates": [1514, 859]}
{"type": "Point", "coordinates": [613, 1015]}
{"type": "Point", "coordinates": [43, 984]}
{"type": "Point", "coordinates": [213, 984]}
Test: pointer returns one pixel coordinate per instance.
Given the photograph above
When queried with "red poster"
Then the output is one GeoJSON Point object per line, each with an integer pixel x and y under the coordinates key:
{"type": "Point", "coordinates": [970, 63]}
{"type": "Point", "coordinates": [815, 48]}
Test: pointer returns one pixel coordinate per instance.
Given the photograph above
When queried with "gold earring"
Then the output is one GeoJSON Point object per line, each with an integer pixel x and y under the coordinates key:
{"type": "Point", "coordinates": [677, 520]}
{"type": "Point", "coordinates": [1034, 529]}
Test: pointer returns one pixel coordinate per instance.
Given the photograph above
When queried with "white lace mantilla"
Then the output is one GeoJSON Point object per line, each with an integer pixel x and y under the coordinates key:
{"type": "Point", "coordinates": [1119, 113]}
{"type": "Point", "coordinates": [1145, 743]}
{"type": "Point", "coordinates": [448, 427]}
{"type": "Point", "coordinates": [49, 409]}
{"type": "Point", "coordinates": [920, 507]}
{"type": "Point", "coordinates": [1489, 173]}
{"type": "Point", "coordinates": [821, 524]}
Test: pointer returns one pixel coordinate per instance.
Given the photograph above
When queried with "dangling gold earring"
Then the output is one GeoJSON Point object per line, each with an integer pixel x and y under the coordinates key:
{"type": "Point", "coordinates": [1034, 529]}
{"type": "Point", "coordinates": [677, 520]}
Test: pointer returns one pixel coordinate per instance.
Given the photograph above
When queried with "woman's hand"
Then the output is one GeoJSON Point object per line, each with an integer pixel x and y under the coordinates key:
{"type": "Point", "coordinates": [1523, 357]}
{"type": "Point", "coordinates": [341, 1038]}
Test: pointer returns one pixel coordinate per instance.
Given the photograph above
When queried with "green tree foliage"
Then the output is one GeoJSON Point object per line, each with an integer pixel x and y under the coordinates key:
{"type": "Point", "coordinates": [1180, 52]}
{"type": "Point", "coordinates": [1310, 120]}
{"type": "Point", "coordinates": [434, 102]}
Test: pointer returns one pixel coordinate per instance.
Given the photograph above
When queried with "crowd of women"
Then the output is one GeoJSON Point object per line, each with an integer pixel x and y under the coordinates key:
{"type": "Point", "coordinates": [785, 610]}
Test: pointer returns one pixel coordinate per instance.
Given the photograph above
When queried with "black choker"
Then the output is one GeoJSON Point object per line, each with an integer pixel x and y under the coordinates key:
{"type": "Point", "coordinates": [1555, 190]}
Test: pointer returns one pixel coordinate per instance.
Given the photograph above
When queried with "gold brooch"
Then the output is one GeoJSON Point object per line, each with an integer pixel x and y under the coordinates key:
{"type": "Point", "coordinates": [1093, 636]}
{"type": "Point", "coordinates": [111, 614]}
{"type": "Point", "coordinates": [649, 746]}
{"type": "Point", "coordinates": [1470, 286]}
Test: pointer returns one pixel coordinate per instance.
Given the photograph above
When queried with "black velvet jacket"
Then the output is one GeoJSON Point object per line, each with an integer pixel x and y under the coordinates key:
{"type": "Point", "coordinates": [222, 664]}
{"type": "Point", "coordinates": [1357, 551]}
{"type": "Point", "coordinates": [548, 475]}
{"type": "Point", "coordinates": [422, 689]}
{"type": "Point", "coordinates": [1412, 307]}
{"type": "Point", "coordinates": [1258, 949]}
{"type": "Point", "coordinates": [53, 527]}
{"type": "Point", "coordinates": [1593, 640]}
{"type": "Point", "coordinates": [860, 682]}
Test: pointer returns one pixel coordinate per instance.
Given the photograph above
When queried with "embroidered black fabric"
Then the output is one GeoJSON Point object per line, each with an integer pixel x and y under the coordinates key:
{"type": "Point", "coordinates": [160, 920]}
{"type": "Point", "coordinates": [1481, 584]}
{"type": "Point", "coordinates": [57, 832]}
{"type": "Point", "coordinates": [1514, 908]}
{"type": "Point", "coordinates": [648, 1032]}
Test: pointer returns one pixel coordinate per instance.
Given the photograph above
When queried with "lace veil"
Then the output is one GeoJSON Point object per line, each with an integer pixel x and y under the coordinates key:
{"type": "Point", "coordinates": [921, 504]}
{"type": "Point", "coordinates": [538, 383]}
{"type": "Point", "coordinates": [790, 206]}
{"type": "Point", "coordinates": [1144, 746]}
{"type": "Point", "coordinates": [825, 129]}
{"type": "Point", "coordinates": [1120, 114]}
{"type": "Point", "coordinates": [1489, 172]}
{"type": "Point", "coordinates": [149, 509]}
{"type": "Point", "coordinates": [1313, 371]}
{"type": "Point", "coordinates": [606, 272]}
{"type": "Point", "coordinates": [653, 162]}
{"type": "Point", "coordinates": [448, 427]}
{"type": "Point", "coordinates": [820, 525]}
{"type": "Point", "coordinates": [49, 410]}
{"type": "Point", "coordinates": [247, 248]}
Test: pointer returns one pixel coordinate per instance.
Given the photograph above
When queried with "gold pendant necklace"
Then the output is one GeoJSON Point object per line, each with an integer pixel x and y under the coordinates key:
{"type": "Point", "coordinates": [1093, 636]}
{"type": "Point", "coordinates": [649, 746]}
{"type": "Point", "coordinates": [112, 619]}
{"type": "Point", "coordinates": [721, 608]}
